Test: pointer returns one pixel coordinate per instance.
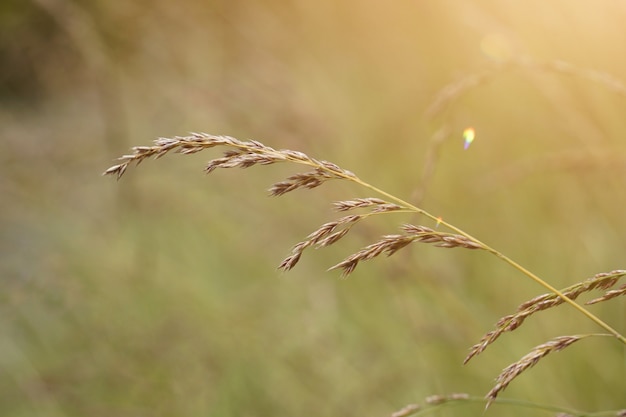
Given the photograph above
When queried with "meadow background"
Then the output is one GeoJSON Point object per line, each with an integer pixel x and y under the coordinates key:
{"type": "Point", "coordinates": [158, 295]}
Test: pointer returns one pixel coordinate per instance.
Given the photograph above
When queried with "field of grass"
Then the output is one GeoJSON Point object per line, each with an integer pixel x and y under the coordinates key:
{"type": "Point", "coordinates": [159, 294]}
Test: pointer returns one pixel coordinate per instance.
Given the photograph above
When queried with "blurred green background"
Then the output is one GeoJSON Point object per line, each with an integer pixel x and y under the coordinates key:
{"type": "Point", "coordinates": [158, 295]}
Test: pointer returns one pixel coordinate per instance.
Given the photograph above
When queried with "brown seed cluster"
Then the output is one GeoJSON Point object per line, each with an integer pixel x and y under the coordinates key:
{"type": "Point", "coordinates": [331, 232]}
{"type": "Point", "coordinates": [308, 180]}
{"type": "Point", "coordinates": [242, 154]}
{"type": "Point", "coordinates": [378, 204]}
{"type": "Point", "coordinates": [181, 144]}
{"type": "Point", "coordinates": [608, 295]}
{"type": "Point", "coordinates": [325, 235]}
{"type": "Point", "coordinates": [603, 281]}
{"type": "Point", "coordinates": [512, 371]}
{"type": "Point", "coordinates": [390, 244]}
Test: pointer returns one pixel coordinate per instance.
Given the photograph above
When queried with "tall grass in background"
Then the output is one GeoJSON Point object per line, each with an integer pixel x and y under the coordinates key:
{"type": "Point", "coordinates": [158, 295]}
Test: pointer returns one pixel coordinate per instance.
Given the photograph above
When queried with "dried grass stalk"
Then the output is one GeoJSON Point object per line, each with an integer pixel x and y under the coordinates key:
{"type": "Point", "coordinates": [604, 280]}
{"type": "Point", "coordinates": [390, 244]}
{"type": "Point", "coordinates": [514, 370]}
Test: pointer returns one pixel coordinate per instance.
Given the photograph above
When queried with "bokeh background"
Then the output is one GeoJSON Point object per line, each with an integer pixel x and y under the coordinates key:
{"type": "Point", "coordinates": [158, 295]}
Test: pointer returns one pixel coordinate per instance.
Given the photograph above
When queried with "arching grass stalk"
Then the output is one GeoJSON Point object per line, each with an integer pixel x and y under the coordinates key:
{"type": "Point", "coordinates": [534, 277]}
{"type": "Point", "coordinates": [244, 154]}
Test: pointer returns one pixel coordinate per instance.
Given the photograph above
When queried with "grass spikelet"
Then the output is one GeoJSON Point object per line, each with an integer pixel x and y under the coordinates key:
{"type": "Point", "coordinates": [512, 371]}
{"type": "Point", "coordinates": [379, 205]}
{"type": "Point", "coordinates": [325, 235]}
{"type": "Point", "coordinates": [604, 280]}
{"type": "Point", "coordinates": [608, 295]}
{"type": "Point", "coordinates": [406, 410]}
{"type": "Point", "coordinates": [390, 244]}
{"type": "Point", "coordinates": [308, 180]}
{"type": "Point", "coordinates": [443, 240]}
{"type": "Point", "coordinates": [182, 144]}
{"type": "Point", "coordinates": [243, 154]}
